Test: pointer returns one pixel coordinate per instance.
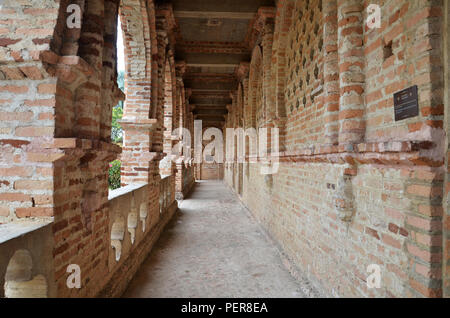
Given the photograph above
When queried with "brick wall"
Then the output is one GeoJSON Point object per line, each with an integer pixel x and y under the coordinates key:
{"type": "Point", "coordinates": [354, 187]}
{"type": "Point", "coordinates": [211, 172]}
{"type": "Point", "coordinates": [57, 90]}
{"type": "Point", "coordinates": [304, 81]}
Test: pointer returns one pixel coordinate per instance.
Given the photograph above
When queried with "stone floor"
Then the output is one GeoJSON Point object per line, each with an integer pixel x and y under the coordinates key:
{"type": "Point", "coordinates": [213, 248]}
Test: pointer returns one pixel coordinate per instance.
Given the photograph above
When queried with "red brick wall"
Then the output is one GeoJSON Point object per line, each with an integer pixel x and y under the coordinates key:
{"type": "Point", "coordinates": [355, 187]}
{"type": "Point", "coordinates": [446, 212]}
{"type": "Point", "coordinates": [211, 171]}
{"type": "Point", "coordinates": [57, 89]}
{"type": "Point", "coordinates": [304, 58]}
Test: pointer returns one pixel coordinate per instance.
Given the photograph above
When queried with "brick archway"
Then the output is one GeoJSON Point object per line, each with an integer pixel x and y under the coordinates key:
{"type": "Point", "coordinates": [139, 30]}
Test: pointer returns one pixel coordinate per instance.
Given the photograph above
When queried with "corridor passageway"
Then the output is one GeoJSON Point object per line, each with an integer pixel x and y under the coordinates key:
{"type": "Point", "coordinates": [326, 122]}
{"type": "Point", "coordinates": [213, 248]}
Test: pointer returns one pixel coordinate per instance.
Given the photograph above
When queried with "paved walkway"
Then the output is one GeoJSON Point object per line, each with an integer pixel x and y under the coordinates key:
{"type": "Point", "coordinates": [213, 248]}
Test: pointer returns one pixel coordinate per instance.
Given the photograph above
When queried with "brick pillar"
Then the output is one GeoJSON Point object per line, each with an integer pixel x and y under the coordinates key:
{"type": "Point", "coordinates": [180, 121]}
{"type": "Point", "coordinates": [169, 111]}
{"type": "Point", "coordinates": [87, 96]}
{"type": "Point", "coordinates": [190, 127]}
{"type": "Point", "coordinates": [137, 155]}
{"type": "Point", "coordinates": [139, 122]}
{"type": "Point", "coordinates": [446, 206]}
{"type": "Point", "coordinates": [167, 166]}
{"type": "Point", "coordinates": [179, 180]}
{"type": "Point", "coordinates": [143, 116]}
{"type": "Point", "coordinates": [268, 86]}
{"type": "Point", "coordinates": [351, 66]}
{"type": "Point", "coordinates": [245, 86]}
{"type": "Point", "coordinates": [331, 72]}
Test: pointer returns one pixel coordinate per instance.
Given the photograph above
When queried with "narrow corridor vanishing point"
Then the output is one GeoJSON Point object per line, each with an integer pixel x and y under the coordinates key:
{"type": "Point", "coordinates": [213, 248]}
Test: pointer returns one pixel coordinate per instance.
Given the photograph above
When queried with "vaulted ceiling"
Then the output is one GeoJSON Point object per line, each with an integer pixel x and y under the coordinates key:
{"type": "Point", "coordinates": [213, 39]}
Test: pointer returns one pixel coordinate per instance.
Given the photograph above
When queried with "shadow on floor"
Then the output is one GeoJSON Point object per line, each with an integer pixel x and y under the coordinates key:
{"type": "Point", "coordinates": [212, 248]}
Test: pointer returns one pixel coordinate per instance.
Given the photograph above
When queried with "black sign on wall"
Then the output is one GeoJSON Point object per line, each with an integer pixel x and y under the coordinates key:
{"type": "Point", "coordinates": [406, 103]}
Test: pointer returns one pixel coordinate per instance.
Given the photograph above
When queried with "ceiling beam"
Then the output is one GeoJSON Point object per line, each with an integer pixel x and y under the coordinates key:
{"type": "Point", "coordinates": [198, 115]}
{"type": "Point", "coordinates": [201, 85]}
{"type": "Point", "coordinates": [214, 15]}
{"type": "Point", "coordinates": [212, 112]}
{"type": "Point", "coordinates": [210, 65]}
{"type": "Point", "coordinates": [213, 50]}
{"type": "Point", "coordinates": [206, 76]}
{"type": "Point", "coordinates": [210, 106]}
{"type": "Point", "coordinates": [213, 47]}
{"type": "Point", "coordinates": [211, 91]}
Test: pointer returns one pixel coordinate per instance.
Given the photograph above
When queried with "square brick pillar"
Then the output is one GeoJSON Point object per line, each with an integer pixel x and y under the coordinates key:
{"type": "Point", "coordinates": [137, 159]}
{"type": "Point", "coordinates": [331, 72]}
{"type": "Point", "coordinates": [352, 72]}
{"type": "Point", "coordinates": [179, 180]}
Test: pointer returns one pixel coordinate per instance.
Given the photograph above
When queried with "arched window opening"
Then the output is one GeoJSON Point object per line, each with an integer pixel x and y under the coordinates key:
{"type": "Point", "coordinates": [117, 237]}
{"type": "Point", "coordinates": [117, 131]}
{"type": "Point", "coordinates": [19, 280]}
{"type": "Point", "coordinates": [117, 111]}
{"type": "Point", "coordinates": [165, 166]}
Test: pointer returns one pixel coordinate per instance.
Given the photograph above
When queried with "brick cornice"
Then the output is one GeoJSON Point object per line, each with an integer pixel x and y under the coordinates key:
{"type": "Point", "coordinates": [408, 153]}
{"type": "Point", "coordinates": [144, 157]}
{"type": "Point", "coordinates": [70, 148]}
{"type": "Point", "coordinates": [165, 11]}
{"type": "Point", "coordinates": [213, 47]}
{"type": "Point", "coordinates": [180, 68]}
{"type": "Point", "coordinates": [139, 124]}
{"type": "Point", "coordinates": [256, 27]}
{"type": "Point", "coordinates": [242, 71]}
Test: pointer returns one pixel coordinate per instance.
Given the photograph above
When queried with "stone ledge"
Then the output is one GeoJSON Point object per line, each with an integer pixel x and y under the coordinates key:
{"type": "Point", "coordinates": [114, 194]}
{"type": "Point", "coordinates": [10, 231]}
{"type": "Point", "coordinates": [138, 124]}
{"type": "Point", "coordinates": [45, 64]}
{"type": "Point", "coordinates": [122, 275]}
{"type": "Point", "coordinates": [388, 153]}
{"type": "Point", "coordinates": [63, 148]}
{"type": "Point", "coordinates": [84, 144]}
{"type": "Point", "coordinates": [143, 157]}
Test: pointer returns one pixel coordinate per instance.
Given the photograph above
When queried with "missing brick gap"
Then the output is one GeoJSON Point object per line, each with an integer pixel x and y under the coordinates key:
{"type": "Point", "coordinates": [33, 203]}
{"type": "Point", "coordinates": [387, 50]}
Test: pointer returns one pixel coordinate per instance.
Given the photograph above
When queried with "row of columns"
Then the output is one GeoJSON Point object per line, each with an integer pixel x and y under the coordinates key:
{"type": "Point", "coordinates": [344, 75]}
{"type": "Point", "coordinates": [148, 137]}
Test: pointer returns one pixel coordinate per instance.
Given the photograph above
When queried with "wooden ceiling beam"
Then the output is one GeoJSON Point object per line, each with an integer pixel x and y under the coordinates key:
{"type": "Point", "coordinates": [214, 15]}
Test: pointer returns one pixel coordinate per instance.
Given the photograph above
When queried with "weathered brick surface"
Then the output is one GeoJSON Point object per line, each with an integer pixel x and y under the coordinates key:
{"type": "Point", "coordinates": [353, 188]}
{"type": "Point", "coordinates": [57, 90]}
{"type": "Point", "coordinates": [350, 191]}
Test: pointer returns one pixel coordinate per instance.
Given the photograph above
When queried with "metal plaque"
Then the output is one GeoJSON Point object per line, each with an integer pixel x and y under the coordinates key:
{"type": "Point", "coordinates": [406, 103]}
